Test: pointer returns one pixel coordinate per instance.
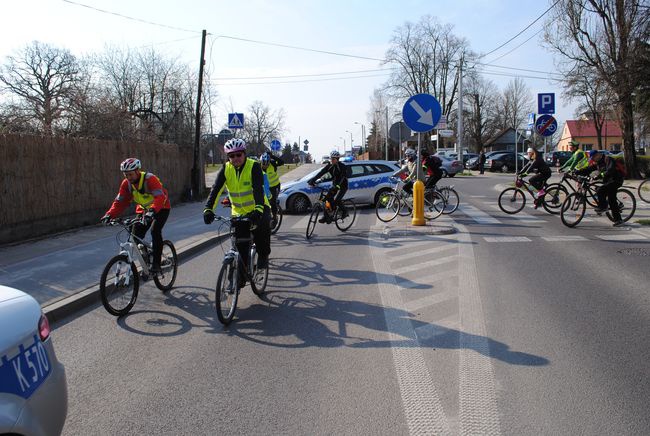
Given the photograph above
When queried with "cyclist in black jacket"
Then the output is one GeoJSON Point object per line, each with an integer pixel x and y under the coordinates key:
{"type": "Point", "coordinates": [339, 173]}
{"type": "Point", "coordinates": [613, 176]}
{"type": "Point", "coordinates": [537, 164]}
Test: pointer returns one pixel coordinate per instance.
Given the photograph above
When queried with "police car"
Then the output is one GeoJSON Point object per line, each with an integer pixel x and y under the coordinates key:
{"type": "Point", "coordinates": [33, 388]}
{"type": "Point", "coordinates": [367, 179]}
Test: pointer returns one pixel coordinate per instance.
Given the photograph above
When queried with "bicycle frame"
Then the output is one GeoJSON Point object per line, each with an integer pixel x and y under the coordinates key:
{"type": "Point", "coordinates": [128, 248]}
{"type": "Point", "coordinates": [233, 253]}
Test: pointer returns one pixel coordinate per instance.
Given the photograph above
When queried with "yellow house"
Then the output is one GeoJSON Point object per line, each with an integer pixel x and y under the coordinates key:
{"type": "Point", "coordinates": [584, 131]}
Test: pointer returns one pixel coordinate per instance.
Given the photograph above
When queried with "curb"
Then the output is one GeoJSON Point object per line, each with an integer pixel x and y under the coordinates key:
{"type": "Point", "coordinates": [408, 230]}
{"type": "Point", "coordinates": [76, 302]}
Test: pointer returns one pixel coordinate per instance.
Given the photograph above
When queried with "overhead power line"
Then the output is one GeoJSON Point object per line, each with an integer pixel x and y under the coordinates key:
{"type": "Point", "coordinates": [522, 31]}
{"type": "Point", "coordinates": [131, 18]}
{"type": "Point", "coordinates": [300, 81]}
{"type": "Point", "coordinates": [517, 69]}
{"type": "Point", "coordinates": [510, 51]}
{"type": "Point", "coordinates": [302, 75]}
{"type": "Point", "coordinates": [300, 48]}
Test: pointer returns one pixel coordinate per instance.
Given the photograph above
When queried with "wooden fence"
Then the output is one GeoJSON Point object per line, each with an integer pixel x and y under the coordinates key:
{"type": "Point", "coordinates": [49, 184]}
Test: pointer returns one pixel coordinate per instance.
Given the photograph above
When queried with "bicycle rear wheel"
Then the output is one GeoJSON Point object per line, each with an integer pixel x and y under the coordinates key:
{"type": "Point", "coordinates": [554, 198]}
{"type": "Point", "coordinates": [259, 276]}
{"type": "Point", "coordinates": [644, 190]}
{"type": "Point", "coordinates": [119, 284]}
{"type": "Point", "coordinates": [168, 266]}
{"type": "Point", "coordinates": [275, 226]}
{"type": "Point", "coordinates": [227, 291]}
{"type": "Point", "coordinates": [434, 204]}
{"type": "Point", "coordinates": [626, 204]}
{"type": "Point", "coordinates": [512, 200]}
{"type": "Point", "coordinates": [313, 219]}
{"type": "Point", "coordinates": [388, 206]}
{"type": "Point", "coordinates": [573, 209]}
{"type": "Point", "coordinates": [452, 199]}
{"type": "Point", "coordinates": [345, 215]}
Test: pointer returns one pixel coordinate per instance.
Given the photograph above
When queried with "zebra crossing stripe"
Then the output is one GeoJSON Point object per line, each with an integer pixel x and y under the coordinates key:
{"type": "Point", "coordinates": [625, 237]}
{"type": "Point", "coordinates": [478, 215]}
{"type": "Point", "coordinates": [417, 254]}
{"type": "Point", "coordinates": [506, 239]}
{"type": "Point", "coordinates": [565, 238]}
{"type": "Point", "coordinates": [419, 265]}
{"type": "Point", "coordinates": [523, 216]}
{"type": "Point", "coordinates": [430, 300]}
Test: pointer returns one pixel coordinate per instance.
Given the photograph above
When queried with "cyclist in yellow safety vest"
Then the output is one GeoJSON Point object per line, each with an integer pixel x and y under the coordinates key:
{"type": "Point", "coordinates": [270, 164]}
{"type": "Point", "coordinates": [245, 182]}
{"type": "Point", "coordinates": [578, 159]}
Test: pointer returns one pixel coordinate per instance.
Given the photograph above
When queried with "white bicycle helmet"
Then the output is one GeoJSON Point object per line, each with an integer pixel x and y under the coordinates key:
{"type": "Point", "coordinates": [265, 158]}
{"type": "Point", "coordinates": [335, 154]}
{"type": "Point", "coordinates": [410, 152]}
{"type": "Point", "coordinates": [233, 145]}
{"type": "Point", "coordinates": [130, 164]}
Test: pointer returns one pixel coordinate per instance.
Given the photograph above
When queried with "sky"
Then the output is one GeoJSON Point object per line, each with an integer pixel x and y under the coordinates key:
{"type": "Point", "coordinates": [325, 112]}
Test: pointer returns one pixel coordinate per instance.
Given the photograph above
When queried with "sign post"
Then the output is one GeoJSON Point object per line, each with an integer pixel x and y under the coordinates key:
{"type": "Point", "coordinates": [421, 113]}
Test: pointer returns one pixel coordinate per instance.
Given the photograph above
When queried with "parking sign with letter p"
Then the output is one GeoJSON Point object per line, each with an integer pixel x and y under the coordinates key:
{"type": "Point", "coordinates": [546, 103]}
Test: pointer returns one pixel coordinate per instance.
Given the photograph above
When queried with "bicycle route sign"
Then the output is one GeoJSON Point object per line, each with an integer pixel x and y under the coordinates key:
{"type": "Point", "coordinates": [421, 112]}
{"type": "Point", "coordinates": [545, 125]}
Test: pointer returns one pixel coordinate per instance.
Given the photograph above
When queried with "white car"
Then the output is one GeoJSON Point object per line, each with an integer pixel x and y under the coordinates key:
{"type": "Point", "coordinates": [366, 180]}
{"type": "Point", "coordinates": [33, 387]}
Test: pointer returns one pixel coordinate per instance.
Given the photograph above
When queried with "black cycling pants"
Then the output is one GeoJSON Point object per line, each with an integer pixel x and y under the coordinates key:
{"type": "Point", "coordinates": [433, 179]}
{"type": "Point", "coordinates": [159, 220]}
{"type": "Point", "coordinates": [261, 236]}
{"type": "Point", "coordinates": [538, 180]}
{"type": "Point", "coordinates": [335, 195]}
{"type": "Point", "coordinates": [607, 194]}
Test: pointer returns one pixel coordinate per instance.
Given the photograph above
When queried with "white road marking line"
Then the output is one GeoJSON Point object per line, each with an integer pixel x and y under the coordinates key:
{"type": "Point", "coordinates": [421, 265]}
{"type": "Point", "coordinates": [422, 406]}
{"type": "Point", "coordinates": [566, 238]}
{"type": "Point", "coordinates": [414, 253]}
{"type": "Point", "coordinates": [478, 215]}
{"type": "Point", "coordinates": [623, 237]}
{"type": "Point", "coordinates": [430, 300]}
{"type": "Point", "coordinates": [506, 239]}
{"type": "Point", "coordinates": [477, 196]}
{"type": "Point", "coordinates": [440, 327]}
{"type": "Point", "coordinates": [302, 223]}
{"type": "Point", "coordinates": [523, 216]}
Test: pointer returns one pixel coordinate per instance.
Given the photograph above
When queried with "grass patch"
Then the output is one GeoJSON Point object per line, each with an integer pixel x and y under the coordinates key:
{"type": "Point", "coordinates": [465, 173]}
{"type": "Point", "coordinates": [643, 222]}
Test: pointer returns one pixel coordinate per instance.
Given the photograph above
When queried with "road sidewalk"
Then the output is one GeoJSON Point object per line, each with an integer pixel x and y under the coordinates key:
{"type": "Point", "coordinates": [62, 271]}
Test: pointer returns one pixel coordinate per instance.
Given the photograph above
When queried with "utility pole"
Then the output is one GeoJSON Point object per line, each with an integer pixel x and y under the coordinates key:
{"type": "Point", "coordinates": [197, 168]}
{"type": "Point", "coordinates": [386, 132]}
{"type": "Point", "coordinates": [460, 110]}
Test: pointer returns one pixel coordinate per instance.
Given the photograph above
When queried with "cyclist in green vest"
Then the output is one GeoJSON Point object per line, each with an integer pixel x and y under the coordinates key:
{"type": "Point", "coordinates": [578, 159]}
{"type": "Point", "coordinates": [270, 165]}
{"type": "Point", "coordinates": [245, 182]}
{"type": "Point", "coordinates": [153, 205]}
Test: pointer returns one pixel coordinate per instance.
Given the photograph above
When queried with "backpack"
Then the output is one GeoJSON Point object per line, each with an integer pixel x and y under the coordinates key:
{"type": "Point", "coordinates": [620, 167]}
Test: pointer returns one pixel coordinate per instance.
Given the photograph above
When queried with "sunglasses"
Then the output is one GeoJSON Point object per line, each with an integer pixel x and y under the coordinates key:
{"type": "Point", "coordinates": [231, 155]}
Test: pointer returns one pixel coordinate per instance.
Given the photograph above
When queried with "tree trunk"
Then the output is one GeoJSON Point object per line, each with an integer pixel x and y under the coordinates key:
{"type": "Point", "coordinates": [627, 120]}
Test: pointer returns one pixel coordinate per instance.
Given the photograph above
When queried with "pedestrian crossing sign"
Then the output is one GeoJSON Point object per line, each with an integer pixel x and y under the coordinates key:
{"type": "Point", "coordinates": [236, 121]}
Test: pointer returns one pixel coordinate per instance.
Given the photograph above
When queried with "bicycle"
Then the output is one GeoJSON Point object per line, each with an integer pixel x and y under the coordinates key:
{"type": "Point", "coordinates": [558, 195]}
{"type": "Point", "coordinates": [275, 224]}
{"type": "Point", "coordinates": [513, 200]}
{"type": "Point", "coordinates": [575, 205]}
{"type": "Point", "coordinates": [120, 281]}
{"type": "Point", "coordinates": [342, 216]}
{"type": "Point", "coordinates": [451, 197]}
{"type": "Point", "coordinates": [398, 202]}
{"type": "Point", "coordinates": [227, 287]}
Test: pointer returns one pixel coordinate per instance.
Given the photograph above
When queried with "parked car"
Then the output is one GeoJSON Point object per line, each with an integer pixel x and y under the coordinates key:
{"type": "Point", "coordinates": [472, 164]}
{"type": "Point", "coordinates": [557, 158]}
{"type": "Point", "coordinates": [466, 156]}
{"type": "Point", "coordinates": [504, 162]}
{"type": "Point", "coordinates": [366, 180]}
{"type": "Point", "coordinates": [450, 167]}
{"type": "Point", "coordinates": [33, 387]}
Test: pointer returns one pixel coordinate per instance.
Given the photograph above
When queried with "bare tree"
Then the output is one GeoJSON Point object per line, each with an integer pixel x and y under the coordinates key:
{"type": "Point", "coordinates": [43, 78]}
{"type": "Point", "coordinates": [605, 35]}
{"type": "Point", "coordinates": [479, 102]}
{"type": "Point", "coordinates": [262, 125]}
{"type": "Point", "coordinates": [514, 105]}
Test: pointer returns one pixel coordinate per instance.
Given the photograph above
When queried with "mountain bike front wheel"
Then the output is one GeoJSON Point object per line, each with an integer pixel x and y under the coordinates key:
{"type": "Point", "coordinates": [275, 224]}
{"type": "Point", "coordinates": [644, 190]}
{"type": "Point", "coordinates": [452, 199]}
{"type": "Point", "coordinates": [554, 198]}
{"type": "Point", "coordinates": [168, 267]}
{"type": "Point", "coordinates": [434, 205]}
{"type": "Point", "coordinates": [573, 209]}
{"type": "Point", "coordinates": [388, 206]}
{"type": "Point", "coordinates": [345, 215]}
{"type": "Point", "coordinates": [313, 219]}
{"type": "Point", "coordinates": [512, 200]}
{"type": "Point", "coordinates": [227, 291]}
{"type": "Point", "coordinates": [118, 286]}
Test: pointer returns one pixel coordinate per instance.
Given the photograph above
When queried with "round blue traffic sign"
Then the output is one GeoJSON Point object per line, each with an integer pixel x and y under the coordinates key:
{"type": "Point", "coordinates": [276, 145]}
{"type": "Point", "coordinates": [545, 125]}
{"type": "Point", "coordinates": [421, 112]}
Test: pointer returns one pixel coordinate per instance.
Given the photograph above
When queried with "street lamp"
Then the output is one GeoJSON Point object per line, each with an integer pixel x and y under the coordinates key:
{"type": "Point", "coordinates": [340, 137]}
{"type": "Point", "coordinates": [350, 139]}
{"type": "Point", "coordinates": [363, 135]}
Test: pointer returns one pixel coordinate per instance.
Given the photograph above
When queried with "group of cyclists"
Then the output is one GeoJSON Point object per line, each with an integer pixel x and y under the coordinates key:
{"type": "Point", "coordinates": [581, 163]}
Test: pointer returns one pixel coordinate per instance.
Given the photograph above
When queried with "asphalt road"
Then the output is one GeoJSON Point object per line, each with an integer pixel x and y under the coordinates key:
{"type": "Point", "coordinates": [511, 325]}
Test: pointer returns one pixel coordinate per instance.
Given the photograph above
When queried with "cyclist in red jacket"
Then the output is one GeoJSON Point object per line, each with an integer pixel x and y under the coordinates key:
{"type": "Point", "coordinates": [153, 202]}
